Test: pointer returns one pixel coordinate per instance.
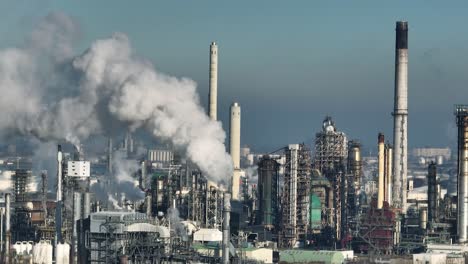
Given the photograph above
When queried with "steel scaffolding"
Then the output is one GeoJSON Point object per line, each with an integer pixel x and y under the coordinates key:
{"type": "Point", "coordinates": [296, 195]}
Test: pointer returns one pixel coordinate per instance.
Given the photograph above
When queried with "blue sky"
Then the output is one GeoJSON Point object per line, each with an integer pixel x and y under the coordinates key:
{"type": "Point", "coordinates": [290, 63]}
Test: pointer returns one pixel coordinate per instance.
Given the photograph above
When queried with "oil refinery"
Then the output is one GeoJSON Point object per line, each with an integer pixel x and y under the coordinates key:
{"type": "Point", "coordinates": [190, 197]}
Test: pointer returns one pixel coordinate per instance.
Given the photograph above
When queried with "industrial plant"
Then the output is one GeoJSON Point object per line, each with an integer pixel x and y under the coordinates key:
{"type": "Point", "coordinates": [128, 201]}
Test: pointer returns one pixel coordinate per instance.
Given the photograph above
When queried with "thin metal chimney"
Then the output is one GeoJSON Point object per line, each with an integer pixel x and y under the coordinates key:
{"type": "Point", "coordinates": [58, 201]}
{"type": "Point", "coordinates": [226, 228]}
{"type": "Point", "coordinates": [388, 172]}
{"type": "Point", "coordinates": [432, 193]}
{"type": "Point", "coordinates": [400, 117]}
{"type": "Point", "coordinates": [380, 194]}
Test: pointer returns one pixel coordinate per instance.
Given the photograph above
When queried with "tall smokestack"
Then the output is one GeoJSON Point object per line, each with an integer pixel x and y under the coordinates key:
{"type": "Point", "coordinates": [400, 117]}
{"type": "Point", "coordinates": [234, 145]}
{"type": "Point", "coordinates": [213, 96]}
{"type": "Point", "coordinates": [58, 201]}
{"type": "Point", "coordinates": [461, 111]}
{"type": "Point", "coordinates": [7, 226]}
{"type": "Point", "coordinates": [226, 228]}
{"type": "Point", "coordinates": [380, 194]}
{"type": "Point", "coordinates": [432, 198]}
{"type": "Point", "coordinates": [388, 172]}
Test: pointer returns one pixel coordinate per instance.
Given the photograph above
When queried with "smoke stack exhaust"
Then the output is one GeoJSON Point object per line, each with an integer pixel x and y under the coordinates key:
{"type": "Point", "coordinates": [461, 112]}
{"type": "Point", "coordinates": [380, 194]}
{"type": "Point", "coordinates": [226, 228]}
{"type": "Point", "coordinates": [400, 117]}
{"type": "Point", "coordinates": [234, 145]}
{"type": "Point", "coordinates": [213, 96]}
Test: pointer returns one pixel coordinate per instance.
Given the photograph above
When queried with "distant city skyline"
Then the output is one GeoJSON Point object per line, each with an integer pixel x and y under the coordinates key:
{"type": "Point", "coordinates": [288, 65]}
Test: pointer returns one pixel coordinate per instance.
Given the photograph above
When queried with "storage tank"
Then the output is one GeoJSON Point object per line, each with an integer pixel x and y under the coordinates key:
{"type": "Point", "coordinates": [62, 254]}
{"type": "Point", "coordinates": [42, 252]}
{"type": "Point", "coordinates": [423, 218]}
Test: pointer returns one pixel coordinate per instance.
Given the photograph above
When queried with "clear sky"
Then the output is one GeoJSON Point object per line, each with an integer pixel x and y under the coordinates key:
{"type": "Point", "coordinates": [290, 63]}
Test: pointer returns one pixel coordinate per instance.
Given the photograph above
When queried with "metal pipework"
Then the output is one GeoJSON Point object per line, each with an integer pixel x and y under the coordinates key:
{"type": "Point", "coordinates": [461, 112]}
{"type": "Point", "coordinates": [213, 94]}
{"type": "Point", "coordinates": [226, 228]}
{"type": "Point", "coordinates": [380, 194]}
{"type": "Point", "coordinates": [400, 117]}
{"type": "Point", "coordinates": [234, 146]}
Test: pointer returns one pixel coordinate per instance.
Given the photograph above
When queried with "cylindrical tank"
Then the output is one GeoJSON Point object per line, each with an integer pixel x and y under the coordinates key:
{"type": "Point", "coordinates": [62, 253]}
{"type": "Point", "coordinates": [7, 225]}
{"type": "Point", "coordinates": [42, 252]}
{"type": "Point", "coordinates": [226, 228]}
{"type": "Point", "coordinates": [86, 205]}
{"type": "Point", "coordinates": [423, 218]}
{"type": "Point", "coordinates": [268, 176]}
{"type": "Point", "coordinates": [149, 205]}
{"type": "Point", "coordinates": [462, 207]}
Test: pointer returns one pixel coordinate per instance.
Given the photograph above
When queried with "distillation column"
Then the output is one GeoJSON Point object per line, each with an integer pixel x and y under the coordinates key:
{"type": "Point", "coordinates": [7, 227]}
{"type": "Point", "coordinates": [58, 210]}
{"type": "Point", "coordinates": [213, 94]}
{"type": "Point", "coordinates": [226, 228]}
{"type": "Point", "coordinates": [400, 115]}
{"type": "Point", "coordinates": [461, 111]}
{"type": "Point", "coordinates": [432, 199]}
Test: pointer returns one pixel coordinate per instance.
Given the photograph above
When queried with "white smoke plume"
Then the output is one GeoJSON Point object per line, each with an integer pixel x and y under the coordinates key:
{"type": "Point", "coordinates": [173, 217]}
{"type": "Point", "coordinates": [123, 181]}
{"type": "Point", "coordinates": [6, 183]}
{"type": "Point", "coordinates": [114, 202]}
{"type": "Point", "coordinates": [104, 88]}
{"type": "Point", "coordinates": [251, 173]}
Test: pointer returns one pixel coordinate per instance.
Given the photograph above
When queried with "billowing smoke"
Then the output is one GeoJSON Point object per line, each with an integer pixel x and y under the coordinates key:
{"type": "Point", "coordinates": [104, 88]}
{"type": "Point", "coordinates": [251, 173]}
{"type": "Point", "coordinates": [5, 181]}
{"type": "Point", "coordinates": [123, 181]}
